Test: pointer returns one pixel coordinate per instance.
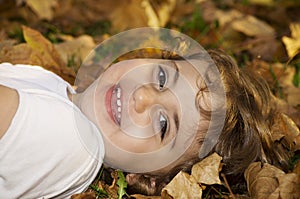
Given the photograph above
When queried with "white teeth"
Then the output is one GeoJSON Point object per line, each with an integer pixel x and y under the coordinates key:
{"type": "Point", "coordinates": [118, 92]}
{"type": "Point", "coordinates": [119, 102]}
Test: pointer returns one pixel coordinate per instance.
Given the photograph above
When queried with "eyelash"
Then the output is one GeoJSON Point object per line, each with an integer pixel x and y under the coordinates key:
{"type": "Point", "coordinates": [162, 78]}
{"type": "Point", "coordinates": [163, 124]}
{"type": "Point", "coordinates": [163, 121]}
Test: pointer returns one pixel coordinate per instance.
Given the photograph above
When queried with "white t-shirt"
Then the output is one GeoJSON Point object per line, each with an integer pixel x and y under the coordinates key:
{"type": "Point", "coordinates": [50, 149]}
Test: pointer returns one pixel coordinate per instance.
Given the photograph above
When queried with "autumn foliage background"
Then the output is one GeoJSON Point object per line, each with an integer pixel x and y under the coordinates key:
{"type": "Point", "coordinates": [263, 35]}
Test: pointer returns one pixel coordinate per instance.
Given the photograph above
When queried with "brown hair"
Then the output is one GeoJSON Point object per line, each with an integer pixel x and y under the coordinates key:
{"type": "Point", "coordinates": [247, 133]}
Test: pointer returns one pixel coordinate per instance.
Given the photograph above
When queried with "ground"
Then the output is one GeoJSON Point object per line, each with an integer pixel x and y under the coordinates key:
{"type": "Point", "coordinates": [261, 35]}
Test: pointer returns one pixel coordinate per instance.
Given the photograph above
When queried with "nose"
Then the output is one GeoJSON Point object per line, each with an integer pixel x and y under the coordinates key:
{"type": "Point", "coordinates": [144, 97]}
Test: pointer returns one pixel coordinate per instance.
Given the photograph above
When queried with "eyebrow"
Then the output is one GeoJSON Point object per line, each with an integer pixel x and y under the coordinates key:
{"type": "Point", "coordinates": [175, 115]}
{"type": "Point", "coordinates": [176, 120]}
{"type": "Point", "coordinates": [177, 71]}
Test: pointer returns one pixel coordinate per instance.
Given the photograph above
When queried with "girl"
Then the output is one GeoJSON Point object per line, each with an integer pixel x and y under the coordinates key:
{"type": "Point", "coordinates": [248, 134]}
{"type": "Point", "coordinates": [152, 115]}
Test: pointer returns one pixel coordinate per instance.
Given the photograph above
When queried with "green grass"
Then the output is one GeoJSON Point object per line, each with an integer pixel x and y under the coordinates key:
{"type": "Point", "coordinates": [296, 79]}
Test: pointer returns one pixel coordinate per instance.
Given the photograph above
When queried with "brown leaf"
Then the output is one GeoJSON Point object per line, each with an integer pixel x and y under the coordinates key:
{"type": "Point", "coordinates": [18, 54]}
{"type": "Point", "coordinates": [268, 181]}
{"type": "Point", "coordinates": [289, 187]}
{"type": "Point", "coordinates": [207, 170]}
{"type": "Point", "coordinates": [88, 195]}
{"type": "Point", "coordinates": [287, 109]}
{"type": "Point", "coordinates": [285, 128]}
{"type": "Point", "coordinates": [292, 44]}
{"type": "Point", "coordinates": [252, 26]}
{"type": "Point", "coordinates": [43, 9]}
{"type": "Point", "coordinates": [139, 196]}
{"type": "Point", "coordinates": [182, 186]}
{"type": "Point", "coordinates": [137, 13]}
{"type": "Point", "coordinates": [293, 95]}
{"type": "Point", "coordinates": [43, 53]}
{"type": "Point", "coordinates": [128, 14]}
{"type": "Point", "coordinates": [273, 72]}
{"type": "Point", "coordinates": [76, 49]}
{"type": "Point", "coordinates": [246, 24]}
{"type": "Point", "coordinates": [158, 13]}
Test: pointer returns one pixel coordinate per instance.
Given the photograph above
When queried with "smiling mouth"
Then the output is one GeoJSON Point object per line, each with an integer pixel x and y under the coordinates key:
{"type": "Point", "coordinates": [113, 102]}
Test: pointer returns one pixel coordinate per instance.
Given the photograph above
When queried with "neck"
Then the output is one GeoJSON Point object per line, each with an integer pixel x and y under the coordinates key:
{"type": "Point", "coordinates": [76, 99]}
{"type": "Point", "coordinates": [85, 102]}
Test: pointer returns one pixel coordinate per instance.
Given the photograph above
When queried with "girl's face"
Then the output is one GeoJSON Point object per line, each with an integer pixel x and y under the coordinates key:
{"type": "Point", "coordinates": [147, 106]}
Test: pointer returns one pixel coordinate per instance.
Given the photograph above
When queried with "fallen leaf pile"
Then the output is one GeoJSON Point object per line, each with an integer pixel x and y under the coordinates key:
{"type": "Point", "coordinates": [266, 181]}
{"type": "Point", "coordinates": [293, 43]}
{"type": "Point", "coordinates": [203, 173]}
{"type": "Point", "coordinates": [262, 35]}
{"type": "Point", "coordinates": [37, 51]}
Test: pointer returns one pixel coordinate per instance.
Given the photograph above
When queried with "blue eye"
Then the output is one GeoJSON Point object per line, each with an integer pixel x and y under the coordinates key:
{"type": "Point", "coordinates": [162, 78]}
{"type": "Point", "coordinates": [163, 123]}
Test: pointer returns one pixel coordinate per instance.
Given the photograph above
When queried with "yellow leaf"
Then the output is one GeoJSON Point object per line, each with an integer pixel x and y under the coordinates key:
{"type": "Point", "coordinates": [251, 26]}
{"type": "Point", "coordinates": [43, 53]}
{"type": "Point", "coordinates": [77, 48]}
{"type": "Point", "coordinates": [246, 24]}
{"type": "Point", "coordinates": [207, 170]}
{"type": "Point", "coordinates": [128, 14]}
{"type": "Point", "coordinates": [158, 15]}
{"type": "Point", "coordinates": [42, 8]}
{"type": "Point", "coordinates": [182, 186]}
{"type": "Point", "coordinates": [140, 13]}
{"type": "Point", "coordinates": [292, 44]}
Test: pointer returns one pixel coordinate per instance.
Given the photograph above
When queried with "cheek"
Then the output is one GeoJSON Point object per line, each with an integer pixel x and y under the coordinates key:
{"type": "Point", "coordinates": [134, 145]}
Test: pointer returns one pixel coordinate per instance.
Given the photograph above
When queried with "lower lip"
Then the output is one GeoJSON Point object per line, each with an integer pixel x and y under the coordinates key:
{"type": "Point", "coordinates": [108, 98]}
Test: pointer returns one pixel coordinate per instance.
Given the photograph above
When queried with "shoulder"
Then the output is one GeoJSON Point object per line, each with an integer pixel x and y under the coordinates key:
{"type": "Point", "coordinates": [9, 101]}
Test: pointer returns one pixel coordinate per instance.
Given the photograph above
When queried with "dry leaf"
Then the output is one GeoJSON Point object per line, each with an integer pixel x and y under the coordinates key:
{"type": "Point", "coordinates": [285, 128]}
{"type": "Point", "coordinates": [289, 187]}
{"type": "Point", "coordinates": [287, 109]}
{"type": "Point", "coordinates": [88, 195]}
{"type": "Point", "coordinates": [262, 182]}
{"type": "Point", "coordinates": [251, 26]}
{"type": "Point", "coordinates": [270, 182]}
{"type": "Point", "coordinates": [43, 53]}
{"type": "Point", "coordinates": [42, 8]}
{"type": "Point", "coordinates": [293, 95]}
{"type": "Point", "coordinates": [182, 186]}
{"type": "Point", "coordinates": [140, 13]}
{"type": "Point", "coordinates": [247, 24]}
{"type": "Point", "coordinates": [77, 48]}
{"type": "Point", "coordinates": [273, 72]}
{"type": "Point", "coordinates": [207, 170]}
{"type": "Point", "coordinates": [292, 44]}
{"type": "Point", "coordinates": [37, 51]}
{"type": "Point", "coordinates": [128, 14]}
{"type": "Point", "coordinates": [18, 54]}
{"type": "Point", "coordinates": [158, 14]}
{"type": "Point", "coordinates": [139, 196]}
